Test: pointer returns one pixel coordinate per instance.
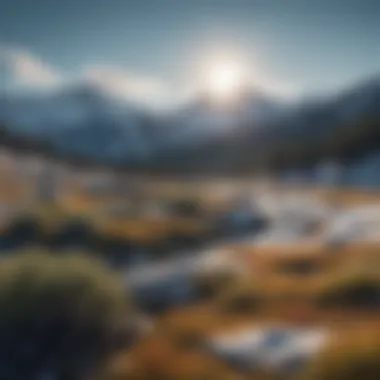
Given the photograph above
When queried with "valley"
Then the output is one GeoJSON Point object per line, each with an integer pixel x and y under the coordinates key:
{"type": "Point", "coordinates": [233, 277]}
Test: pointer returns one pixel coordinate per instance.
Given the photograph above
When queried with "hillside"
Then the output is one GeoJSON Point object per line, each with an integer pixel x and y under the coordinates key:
{"type": "Point", "coordinates": [255, 133]}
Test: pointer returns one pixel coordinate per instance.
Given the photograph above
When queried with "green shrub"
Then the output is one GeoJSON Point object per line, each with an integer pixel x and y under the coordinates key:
{"type": "Point", "coordinates": [212, 283]}
{"type": "Point", "coordinates": [71, 231]}
{"type": "Point", "coordinates": [60, 316]}
{"type": "Point", "coordinates": [240, 297]}
{"type": "Point", "coordinates": [24, 229]}
{"type": "Point", "coordinates": [356, 290]}
{"type": "Point", "coordinates": [298, 266]}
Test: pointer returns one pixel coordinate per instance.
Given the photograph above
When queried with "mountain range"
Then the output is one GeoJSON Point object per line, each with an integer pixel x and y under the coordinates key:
{"type": "Point", "coordinates": [254, 132]}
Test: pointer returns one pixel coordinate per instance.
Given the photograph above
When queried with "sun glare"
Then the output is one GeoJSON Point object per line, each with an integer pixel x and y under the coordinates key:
{"type": "Point", "coordinates": [224, 79]}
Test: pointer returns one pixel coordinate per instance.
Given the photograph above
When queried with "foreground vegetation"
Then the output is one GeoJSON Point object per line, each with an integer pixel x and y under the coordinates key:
{"type": "Point", "coordinates": [341, 294]}
{"type": "Point", "coordinates": [61, 317]}
{"type": "Point", "coordinates": [79, 319]}
{"type": "Point", "coordinates": [68, 315]}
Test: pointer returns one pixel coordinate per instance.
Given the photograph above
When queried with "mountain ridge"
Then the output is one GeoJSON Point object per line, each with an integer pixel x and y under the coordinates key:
{"type": "Point", "coordinates": [201, 136]}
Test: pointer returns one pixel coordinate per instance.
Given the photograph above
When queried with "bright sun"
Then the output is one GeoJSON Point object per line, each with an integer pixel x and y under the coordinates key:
{"type": "Point", "coordinates": [224, 79]}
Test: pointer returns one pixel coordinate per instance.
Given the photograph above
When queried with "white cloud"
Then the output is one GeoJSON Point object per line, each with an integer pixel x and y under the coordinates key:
{"type": "Point", "coordinates": [27, 69]}
{"type": "Point", "coordinates": [122, 83]}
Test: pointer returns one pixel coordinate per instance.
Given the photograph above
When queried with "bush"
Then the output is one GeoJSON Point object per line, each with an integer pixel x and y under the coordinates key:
{"type": "Point", "coordinates": [240, 297]}
{"type": "Point", "coordinates": [298, 266]}
{"type": "Point", "coordinates": [187, 208]}
{"type": "Point", "coordinates": [60, 317]}
{"type": "Point", "coordinates": [212, 283]}
{"type": "Point", "coordinates": [21, 231]}
{"type": "Point", "coordinates": [71, 232]}
{"type": "Point", "coordinates": [188, 340]}
{"type": "Point", "coordinates": [356, 290]}
{"type": "Point", "coordinates": [351, 358]}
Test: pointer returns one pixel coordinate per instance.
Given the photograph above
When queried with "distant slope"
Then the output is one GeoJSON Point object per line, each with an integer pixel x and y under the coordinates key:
{"type": "Point", "coordinates": [341, 128]}
{"type": "Point", "coordinates": [256, 132]}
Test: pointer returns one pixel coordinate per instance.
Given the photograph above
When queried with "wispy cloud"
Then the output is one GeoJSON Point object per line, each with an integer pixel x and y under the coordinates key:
{"type": "Point", "coordinates": [119, 82]}
{"type": "Point", "coordinates": [27, 69]}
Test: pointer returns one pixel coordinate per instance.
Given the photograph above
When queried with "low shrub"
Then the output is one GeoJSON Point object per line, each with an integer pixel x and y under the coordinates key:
{"type": "Point", "coordinates": [61, 317]}
{"type": "Point", "coordinates": [240, 297]}
{"type": "Point", "coordinates": [352, 291]}
{"type": "Point", "coordinates": [23, 230]}
{"type": "Point", "coordinates": [71, 232]}
{"type": "Point", "coordinates": [212, 283]}
{"type": "Point", "coordinates": [298, 266]}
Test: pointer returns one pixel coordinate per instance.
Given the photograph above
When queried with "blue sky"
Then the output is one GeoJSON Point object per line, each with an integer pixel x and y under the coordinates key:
{"type": "Point", "coordinates": [152, 46]}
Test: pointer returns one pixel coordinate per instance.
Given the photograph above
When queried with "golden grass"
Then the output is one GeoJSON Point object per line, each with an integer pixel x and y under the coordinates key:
{"type": "Point", "coordinates": [160, 357]}
{"type": "Point", "coordinates": [150, 230]}
{"type": "Point", "coordinates": [288, 299]}
{"type": "Point", "coordinates": [350, 356]}
{"type": "Point", "coordinates": [50, 217]}
{"type": "Point", "coordinates": [347, 196]}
